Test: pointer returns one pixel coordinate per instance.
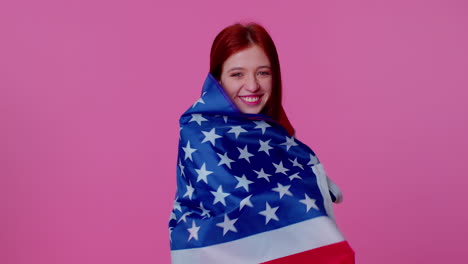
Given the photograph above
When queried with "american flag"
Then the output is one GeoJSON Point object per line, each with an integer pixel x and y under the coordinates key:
{"type": "Point", "coordinates": [247, 192]}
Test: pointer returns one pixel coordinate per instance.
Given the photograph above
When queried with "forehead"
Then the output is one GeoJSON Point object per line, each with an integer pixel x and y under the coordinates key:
{"type": "Point", "coordinates": [251, 57]}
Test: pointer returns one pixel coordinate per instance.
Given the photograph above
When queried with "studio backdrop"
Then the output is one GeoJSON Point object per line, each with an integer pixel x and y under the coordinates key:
{"type": "Point", "coordinates": [91, 93]}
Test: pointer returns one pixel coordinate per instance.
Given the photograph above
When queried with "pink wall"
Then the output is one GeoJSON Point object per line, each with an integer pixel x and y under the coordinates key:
{"type": "Point", "coordinates": [91, 92]}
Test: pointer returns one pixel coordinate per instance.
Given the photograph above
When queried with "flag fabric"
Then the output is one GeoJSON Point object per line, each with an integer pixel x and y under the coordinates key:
{"type": "Point", "coordinates": [248, 192]}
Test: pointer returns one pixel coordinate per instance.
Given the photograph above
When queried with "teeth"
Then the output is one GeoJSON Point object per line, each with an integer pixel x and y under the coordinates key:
{"type": "Point", "coordinates": [251, 99]}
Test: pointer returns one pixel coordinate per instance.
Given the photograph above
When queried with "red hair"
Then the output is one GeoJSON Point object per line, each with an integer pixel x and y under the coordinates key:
{"type": "Point", "coordinates": [237, 37]}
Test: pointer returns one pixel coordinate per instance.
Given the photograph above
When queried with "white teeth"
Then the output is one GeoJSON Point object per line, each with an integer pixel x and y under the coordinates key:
{"type": "Point", "coordinates": [251, 99]}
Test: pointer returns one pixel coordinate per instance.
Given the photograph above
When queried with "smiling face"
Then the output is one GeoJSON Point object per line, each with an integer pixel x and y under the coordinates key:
{"type": "Point", "coordinates": [247, 79]}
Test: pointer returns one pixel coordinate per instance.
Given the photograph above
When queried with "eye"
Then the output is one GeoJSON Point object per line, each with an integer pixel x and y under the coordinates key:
{"type": "Point", "coordinates": [264, 73]}
{"type": "Point", "coordinates": [237, 74]}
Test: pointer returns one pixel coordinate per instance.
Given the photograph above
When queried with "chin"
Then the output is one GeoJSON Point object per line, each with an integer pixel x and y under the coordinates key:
{"type": "Point", "coordinates": [250, 111]}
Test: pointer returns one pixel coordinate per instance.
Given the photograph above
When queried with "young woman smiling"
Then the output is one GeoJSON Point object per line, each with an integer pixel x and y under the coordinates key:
{"type": "Point", "coordinates": [247, 190]}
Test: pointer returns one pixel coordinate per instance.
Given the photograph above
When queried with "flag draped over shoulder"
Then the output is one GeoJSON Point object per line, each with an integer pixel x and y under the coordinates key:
{"type": "Point", "coordinates": [248, 192]}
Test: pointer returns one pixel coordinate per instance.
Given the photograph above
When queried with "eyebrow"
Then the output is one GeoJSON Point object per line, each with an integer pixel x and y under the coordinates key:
{"type": "Point", "coordinates": [240, 68]}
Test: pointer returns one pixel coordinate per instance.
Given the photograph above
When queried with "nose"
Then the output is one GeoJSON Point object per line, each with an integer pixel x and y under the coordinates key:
{"type": "Point", "coordinates": [251, 84]}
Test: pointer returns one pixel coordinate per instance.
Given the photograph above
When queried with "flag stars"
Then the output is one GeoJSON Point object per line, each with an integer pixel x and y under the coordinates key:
{"type": "Point", "coordinates": [269, 213]}
{"type": "Point", "coordinates": [210, 136]}
{"type": "Point", "coordinates": [173, 216]}
{"type": "Point", "coordinates": [177, 205]}
{"type": "Point", "coordinates": [296, 164]}
{"type": "Point", "coordinates": [310, 203]}
{"type": "Point", "coordinates": [282, 190]}
{"type": "Point", "coordinates": [219, 196]}
{"type": "Point", "coordinates": [193, 231]}
{"type": "Point", "coordinates": [170, 233]}
{"type": "Point", "coordinates": [264, 146]}
{"type": "Point", "coordinates": [280, 168]}
{"type": "Point", "coordinates": [228, 224]}
{"type": "Point", "coordinates": [295, 176]}
{"type": "Point", "coordinates": [245, 202]}
{"type": "Point", "coordinates": [197, 118]}
{"type": "Point", "coordinates": [262, 174]}
{"type": "Point", "coordinates": [199, 101]}
{"type": "Point", "coordinates": [189, 192]}
{"type": "Point", "coordinates": [289, 143]}
{"type": "Point", "coordinates": [181, 167]}
{"type": "Point", "coordinates": [244, 153]}
{"type": "Point", "coordinates": [188, 151]}
{"type": "Point", "coordinates": [313, 160]}
{"type": "Point", "coordinates": [243, 182]}
{"type": "Point", "coordinates": [203, 173]}
{"type": "Point", "coordinates": [225, 160]}
{"type": "Point", "coordinates": [225, 118]}
{"type": "Point", "coordinates": [184, 217]}
{"type": "Point", "coordinates": [237, 130]}
{"type": "Point", "coordinates": [205, 212]}
{"type": "Point", "coordinates": [261, 125]}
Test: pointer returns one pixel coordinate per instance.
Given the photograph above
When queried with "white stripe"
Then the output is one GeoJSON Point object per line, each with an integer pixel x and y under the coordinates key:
{"type": "Point", "coordinates": [323, 186]}
{"type": "Point", "coordinates": [292, 239]}
{"type": "Point", "coordinates": [335, 190]}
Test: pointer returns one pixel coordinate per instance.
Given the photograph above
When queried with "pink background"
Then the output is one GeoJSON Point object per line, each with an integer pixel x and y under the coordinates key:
{"type": "Point", "coordinates": [91, 92]}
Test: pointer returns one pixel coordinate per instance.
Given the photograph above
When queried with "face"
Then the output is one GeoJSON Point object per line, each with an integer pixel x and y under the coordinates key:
{"type": "Point", "coordinates": [247, 79]}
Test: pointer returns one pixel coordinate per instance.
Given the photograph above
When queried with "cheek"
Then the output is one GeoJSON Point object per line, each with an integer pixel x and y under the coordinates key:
{"type": "Point", "coordinates": [267, 86]}
{"type": "Point", "coordinates": [230, 89]}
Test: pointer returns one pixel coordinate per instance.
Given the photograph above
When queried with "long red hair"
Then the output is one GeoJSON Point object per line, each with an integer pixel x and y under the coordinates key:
{"type": "Point", "coordinates": [237, 37]}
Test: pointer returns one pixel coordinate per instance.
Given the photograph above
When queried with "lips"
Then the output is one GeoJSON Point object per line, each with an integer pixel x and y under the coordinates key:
{"type": "Point", "coordinates": [251, 99]}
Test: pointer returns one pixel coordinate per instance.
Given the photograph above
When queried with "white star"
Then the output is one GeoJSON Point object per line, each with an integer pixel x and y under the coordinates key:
{"type": "Point", "coordinates": [296, 164]}
{"type": "Point", "coordinates": [173, 216]}
{"type": "Point", "coordinates": [313, 160]}
{"type": "Point", "coordinates": [309, 203]}
{"type": "Point", "coordinates": [243, 182]}
{"type": "Point", "coordinates": [205, 212]}
{"type": "Point", "coordinates": [170, 233]}
{"type": "Point", "coordinates": [193, 231]}
{"type": "Point", "coordinates": [224, 117]}
{"type": "Point", "coordinates": [210, 136]}
{"type": "Point", "coordinates": [269, 213]}
{"type": "Point", "coordinates": [289, 142]}
{"type": "Point", "coordinates": [245, 202]}
{"type": "Point", "coordinates": [189, 192]}
{"type": "Point", "coordinates": [282, 190]}
{"type": "Point", "coordinates": [220, 196]}
{"type": "Point", "coordinates": [197, 118]}
{"type": "Point", "coordinates": [225, 160]}
{"type": "Point", "coordinates": [237, 130]}
{"type": "Point", "coordinates": [177, 205]}
{"type": "Point", "coordinates": [244, 153]}
{"type": "Point", "coordinates": [279, 168]}
{"type": "Point", "coordinates": [261, 174]}
{"type": "Point", "coordinates": [182, 167]}
{"type": "Point", "coordinates": [188, 151]}
{"type": "Point", "coordinates": [295, 176]}
{"type": "Point", "coordinates": [202, 173]}
{"type": "Point", "coordinates": [264, 146]}
{"type": "Point", "coordinates": [261, 125]}
{"type": "Point", "coordinates": [184, 217]}
{"type": "Point", "coordinates": [200, 100]}
{"type": "Point", "coordinates": [228, 225]}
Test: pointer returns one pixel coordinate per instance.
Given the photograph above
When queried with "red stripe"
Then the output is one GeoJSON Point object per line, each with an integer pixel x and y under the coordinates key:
{"type": "Point", "coordinates": [339, 253]}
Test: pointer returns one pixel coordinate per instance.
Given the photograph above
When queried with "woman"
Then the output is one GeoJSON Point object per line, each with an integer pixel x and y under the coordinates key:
{"type": "Point", "coordinates": [247, 190]}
